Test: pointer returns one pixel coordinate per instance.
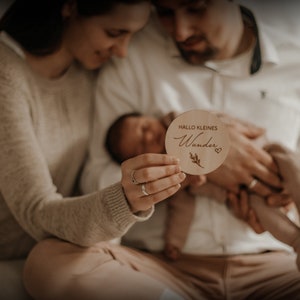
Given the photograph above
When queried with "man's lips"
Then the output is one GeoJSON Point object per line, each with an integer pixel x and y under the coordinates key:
{"type": "Point", "coordinates": [192, 43]}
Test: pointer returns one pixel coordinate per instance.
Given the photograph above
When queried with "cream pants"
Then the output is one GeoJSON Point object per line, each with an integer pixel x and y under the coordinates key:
{"type": "Point", "coordinates": [60, 270]}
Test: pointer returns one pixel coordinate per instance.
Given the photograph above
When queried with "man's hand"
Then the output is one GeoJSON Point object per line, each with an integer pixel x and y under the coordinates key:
{"type": "Point", "coordinates": [246, 160]}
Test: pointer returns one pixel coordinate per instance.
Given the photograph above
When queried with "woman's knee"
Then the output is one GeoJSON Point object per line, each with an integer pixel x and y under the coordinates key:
{"type": "Point", "coordinates": [53, 266]}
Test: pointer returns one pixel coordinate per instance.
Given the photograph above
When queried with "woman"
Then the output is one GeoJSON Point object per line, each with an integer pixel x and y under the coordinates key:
{"type": "Point", "coordinates": [48, 51]}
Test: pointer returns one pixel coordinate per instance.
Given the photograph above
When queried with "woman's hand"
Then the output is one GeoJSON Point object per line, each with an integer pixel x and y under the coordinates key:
{"type": "Point", "coordinates": [150, 178]}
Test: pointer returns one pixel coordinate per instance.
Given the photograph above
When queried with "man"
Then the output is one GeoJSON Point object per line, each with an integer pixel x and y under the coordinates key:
{"type": "Point", "coordinates": [214, 55]}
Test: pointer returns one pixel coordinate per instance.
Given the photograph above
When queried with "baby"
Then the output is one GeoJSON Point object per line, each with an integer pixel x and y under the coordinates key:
{"type": "Point", "coordinates": [133, 134]}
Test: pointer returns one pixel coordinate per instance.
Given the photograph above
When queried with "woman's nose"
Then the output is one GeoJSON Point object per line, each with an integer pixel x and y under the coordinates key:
{"type": "Point", "coordinates": [120, 48]}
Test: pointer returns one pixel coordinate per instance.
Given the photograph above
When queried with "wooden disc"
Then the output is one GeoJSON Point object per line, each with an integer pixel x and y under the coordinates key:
{"type": "Point", "coordinates": [199, 139]}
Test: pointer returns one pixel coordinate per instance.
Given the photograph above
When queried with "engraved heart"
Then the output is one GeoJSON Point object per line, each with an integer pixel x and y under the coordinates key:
{"type": "Point", "coordinates": [218, 150]}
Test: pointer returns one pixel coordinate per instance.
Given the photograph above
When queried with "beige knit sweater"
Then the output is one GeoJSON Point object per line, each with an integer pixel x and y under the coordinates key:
{"type": "Point", "coordinates": [44, 131]}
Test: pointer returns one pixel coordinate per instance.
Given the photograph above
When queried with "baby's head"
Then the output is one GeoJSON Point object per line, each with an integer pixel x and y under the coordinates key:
{"type": "Point", "coordinates": [133, 134]}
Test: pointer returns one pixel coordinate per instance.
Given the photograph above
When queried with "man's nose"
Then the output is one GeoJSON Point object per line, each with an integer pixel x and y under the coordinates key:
{"type": "Point", "coordinates": [182, 28]}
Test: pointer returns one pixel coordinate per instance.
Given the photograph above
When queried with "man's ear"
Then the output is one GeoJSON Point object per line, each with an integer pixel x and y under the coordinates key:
{"type": "Point", "coordinates": [68, 9]}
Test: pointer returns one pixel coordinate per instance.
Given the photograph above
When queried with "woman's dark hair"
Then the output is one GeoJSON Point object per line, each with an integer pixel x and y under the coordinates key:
{"type": "Point", "coordinates": [38, 25]}
{"type": "Point", "coordinates": [113, 136]}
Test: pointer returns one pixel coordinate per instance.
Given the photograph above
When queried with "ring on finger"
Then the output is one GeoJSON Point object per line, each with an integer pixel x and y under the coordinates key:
{"type": "Point", "coordinates": [252, 184]}
{"type": "Point", "coordinates": [143, 187]}
{"type": "Point", "coordinates": [133, 180]}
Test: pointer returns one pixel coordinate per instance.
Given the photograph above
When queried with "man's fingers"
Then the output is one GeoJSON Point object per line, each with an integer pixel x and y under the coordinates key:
{"type": "Point", "coordinates": [254, 222]}
{"type": "Point", "coordinates": [279, 199]}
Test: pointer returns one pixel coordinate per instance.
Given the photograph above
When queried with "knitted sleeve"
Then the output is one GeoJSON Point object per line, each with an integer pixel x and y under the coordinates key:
{"type": "Point", "coordinates": [27, 187]}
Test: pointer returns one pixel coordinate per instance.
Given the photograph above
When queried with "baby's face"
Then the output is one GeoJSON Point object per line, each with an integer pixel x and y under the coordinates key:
{"type": "Point", "coordinates": [142, 134]}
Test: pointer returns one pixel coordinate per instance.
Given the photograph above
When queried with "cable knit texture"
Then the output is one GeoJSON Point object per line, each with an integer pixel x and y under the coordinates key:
{"type": "Point", "coordinates": [44, 131]}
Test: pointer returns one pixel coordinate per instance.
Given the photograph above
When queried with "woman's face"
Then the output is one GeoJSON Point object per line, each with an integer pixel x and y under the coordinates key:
{"type": "Point", "coordinates": [94, 40]}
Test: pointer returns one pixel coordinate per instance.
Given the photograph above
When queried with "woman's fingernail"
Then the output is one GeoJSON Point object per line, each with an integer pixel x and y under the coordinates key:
{"type": "Point", "coordinates": [182, 175]}
{"type": "Point", "coordinates": [176, 160]}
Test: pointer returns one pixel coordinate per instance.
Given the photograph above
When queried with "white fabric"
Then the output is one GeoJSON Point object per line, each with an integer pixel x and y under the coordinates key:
{"type": "Point", "coordinates": [154, 80]}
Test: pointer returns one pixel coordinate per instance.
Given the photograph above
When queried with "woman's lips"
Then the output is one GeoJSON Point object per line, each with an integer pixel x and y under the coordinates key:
{"type": "Point", "coordinates": [101, 58]}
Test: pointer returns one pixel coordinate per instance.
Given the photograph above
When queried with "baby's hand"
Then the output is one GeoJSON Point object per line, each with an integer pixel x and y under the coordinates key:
{"type": "Point", "coordinates": [279, 199]}
{"type": "Point", "coordinates": [194, 180]}
{"type": "Point", "coordinates": [171, 252]}
{"type": "Point", "coordinates": [240, 206]}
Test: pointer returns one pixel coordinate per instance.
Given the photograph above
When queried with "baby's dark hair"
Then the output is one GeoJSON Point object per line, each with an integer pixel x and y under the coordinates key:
{"type": "Point", "coordinates": [113, 137]}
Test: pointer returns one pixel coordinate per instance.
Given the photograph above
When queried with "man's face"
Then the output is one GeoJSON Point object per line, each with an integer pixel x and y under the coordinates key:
{"type": "Point", "coordinates": [203, 29]}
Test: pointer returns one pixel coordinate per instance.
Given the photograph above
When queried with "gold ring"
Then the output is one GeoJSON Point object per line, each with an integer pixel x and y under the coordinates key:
{"type": "Point", "coordinates": [252, 184]}
{"type": "Point", "coordinates": [133, 180]}
{"type": "Point", "coordinates": [143, 187]}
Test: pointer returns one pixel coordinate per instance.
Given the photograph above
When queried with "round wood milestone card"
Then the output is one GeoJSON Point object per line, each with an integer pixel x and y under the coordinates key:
{"type": "Point", "coordinates": [199, 139]}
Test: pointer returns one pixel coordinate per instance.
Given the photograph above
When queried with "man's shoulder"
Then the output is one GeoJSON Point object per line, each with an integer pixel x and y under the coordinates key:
{"type": "Point", "coordinates": [150, 36]}
{"type": "Point", "coordinates": [277, 19]}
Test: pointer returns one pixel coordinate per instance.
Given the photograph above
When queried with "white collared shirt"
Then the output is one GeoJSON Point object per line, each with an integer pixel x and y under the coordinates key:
{"type": "Point", "coordinates": [154, 80]}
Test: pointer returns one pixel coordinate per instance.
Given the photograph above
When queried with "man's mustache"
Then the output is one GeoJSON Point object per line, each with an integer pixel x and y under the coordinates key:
{"type": "Point", "coordinates": [192, 40]}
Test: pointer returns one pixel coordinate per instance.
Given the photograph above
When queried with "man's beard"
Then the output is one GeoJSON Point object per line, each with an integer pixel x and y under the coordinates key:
{"type": "Point", "coordinates": [196, 57]}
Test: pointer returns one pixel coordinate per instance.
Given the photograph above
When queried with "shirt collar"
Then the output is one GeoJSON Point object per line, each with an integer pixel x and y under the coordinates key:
{"type": "Point", "coordinates": [269, 53]}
